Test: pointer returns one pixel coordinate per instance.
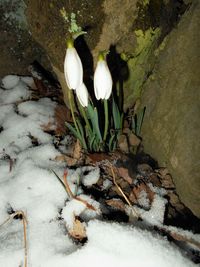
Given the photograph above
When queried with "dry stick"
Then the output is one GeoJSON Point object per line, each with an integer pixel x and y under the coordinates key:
{"type": "Point", "coordinates": [180, 237]}
{"type": "Point", "coordinates": [89, 206]}
{"type": "Point", "coordinates": [125, 197]}
{"type": "Point", "coordinates": [174, 235]}
{"type": "Point", "coordinates": [67, 185]}
{"type": "Point", "coordinates": [24, 220]}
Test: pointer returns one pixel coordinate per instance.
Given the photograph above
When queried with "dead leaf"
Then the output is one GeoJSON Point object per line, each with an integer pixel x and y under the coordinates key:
{"type": "Point", "coordinates": [62, 114]}
{"type": "Point", "coordinates": [153, 178]}
{"type": "Point", "coordinates": [48, 127]}
{"type": "Point", "coordinates": [77, 152]}
{"type": "Point", "coordinates": [116, 203]}
{"type": "Point", "coordinates": [123, 172]}
{"type": "Point", "coordinates": [135, 194]}
{"type": "Point", "coordinates": [165, 178]}
{"type": "Point", "coordinates": [78, 231]}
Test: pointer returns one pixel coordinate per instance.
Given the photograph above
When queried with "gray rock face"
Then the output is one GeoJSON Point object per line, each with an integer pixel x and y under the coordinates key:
{"type": "Point", "coordinates": [18, 49]}
{"type": "Point", "coordinates": [171, 129]}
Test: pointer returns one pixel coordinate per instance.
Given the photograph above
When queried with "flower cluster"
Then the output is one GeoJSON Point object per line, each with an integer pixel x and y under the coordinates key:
{"type": "Point", "coordinates": [94, 135]}
{"type": "Point", "coordinates": [73, 70]}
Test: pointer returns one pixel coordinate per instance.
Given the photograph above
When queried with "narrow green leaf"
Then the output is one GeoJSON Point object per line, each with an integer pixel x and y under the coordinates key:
{"type": "Point", "coordinates": [140, 118]}
{"type": "Point", "coordinates": [110, 144]}
{"type": "Point", "coordinates": [73, 130]}
{"type": "Point", "coordinates": [116, 115]}
{"type": "Point", "coordinates": [91, 142]}
{"type": "Point", "coordinates": [82, 133]}
{"type": "Point", "coordinates": [93, 115]}
{"type": "Point", "coordinates": [76, 134]}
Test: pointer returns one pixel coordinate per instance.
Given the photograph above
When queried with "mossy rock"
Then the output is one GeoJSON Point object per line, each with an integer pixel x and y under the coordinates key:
{"type": "Point", "coordinates": [171, 127]}
{"type": "Point", "coordinates": [121, 26]}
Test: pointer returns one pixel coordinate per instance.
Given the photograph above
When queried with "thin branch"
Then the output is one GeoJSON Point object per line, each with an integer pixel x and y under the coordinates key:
{"type": "Point", "coordinates": [121, 191]}
{"type": "Point", "coordinates": [69, 192]}
{"type": "Point", "coordinates": [24, 221]}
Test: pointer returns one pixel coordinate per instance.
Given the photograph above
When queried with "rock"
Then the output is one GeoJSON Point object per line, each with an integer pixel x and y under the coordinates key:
{"type": "Point", "coordinates": [133, 140]}
{"type": "Point", "coordinates": [132, 28]}
{"type": "Point", "coordinates": [19, 49]}
{"type": "Point", "coordinates": [171, 128]}
{"type": "Point", "coordinates": [123, 143]}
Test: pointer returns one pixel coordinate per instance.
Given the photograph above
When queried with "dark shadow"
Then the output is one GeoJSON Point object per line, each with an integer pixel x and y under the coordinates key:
{"type": "Point", "coordinates": [87, 61]}
{"type": "Point", "coordinates": [120, 73]}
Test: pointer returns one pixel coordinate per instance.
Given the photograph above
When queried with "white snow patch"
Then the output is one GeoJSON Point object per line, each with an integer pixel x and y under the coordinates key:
{"type": "Point", "coordinates": [10, 81]}
{"type": "Point", "coordinates": [31, 186]}
{"type": "Point", "coordinates": [114, 245]}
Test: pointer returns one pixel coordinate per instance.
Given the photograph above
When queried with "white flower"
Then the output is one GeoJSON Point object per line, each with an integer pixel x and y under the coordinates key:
{"type": "Point", "coordinates": [82, 94]}
{"type": "Point", "coordinates": [102, 80]}
{"type": "Point", "coordinates": [73, 68]}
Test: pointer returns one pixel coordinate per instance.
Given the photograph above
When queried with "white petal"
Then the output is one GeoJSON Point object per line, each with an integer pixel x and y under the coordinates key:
{"type": "Point", "coordinates": [82, 94]}
{"type": "Point", "coordinates": [73, 69]}
{"type": "Point", "coordinates": [102, 81]}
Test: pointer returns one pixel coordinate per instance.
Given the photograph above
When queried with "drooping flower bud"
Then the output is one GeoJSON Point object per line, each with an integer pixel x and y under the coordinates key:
{"type": "Point", "coordinates": [73, 68]}
{"type": "Point", "coordinates": [102, 79]}
{"type": "Point", "coordinates": [82, 94]}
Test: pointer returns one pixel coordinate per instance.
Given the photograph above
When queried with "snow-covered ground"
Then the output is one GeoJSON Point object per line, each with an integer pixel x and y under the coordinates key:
{"type": "Point", "coordinates": [28, 184]}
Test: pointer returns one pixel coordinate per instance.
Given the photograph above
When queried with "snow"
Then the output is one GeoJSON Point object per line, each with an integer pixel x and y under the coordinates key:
{"type": "Point", "coordinates": [10, 81]}
{"type": "Point", "coordinates": [28, 183]}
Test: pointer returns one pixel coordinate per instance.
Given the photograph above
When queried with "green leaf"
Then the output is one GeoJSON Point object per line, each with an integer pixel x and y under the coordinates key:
{"type": "Point", "coordinates": [75, 133]}
{"type": "Point", "coordinates": [93, 115]}
{"type": "Point", "coordinates": [91, 142]}
{"type": "Point", "coordinates": [82, 133]}
{"type": "Point", "coordinates": [73, 130]}
{"type": "Point", "coordinates": [137, 120]}
{"type": "Point", "coordinates": [140, 119]}
{"type": "Point", "coordinates": [112, 139]}
{"type": "Point", "coordinates": [116, 115]}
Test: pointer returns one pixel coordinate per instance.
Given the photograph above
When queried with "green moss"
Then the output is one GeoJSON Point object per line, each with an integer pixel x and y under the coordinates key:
{"type": "Point", "coordinates": [160, 48]}
{"type": "Point", "coordinates": [145, 2]}
{"type": "Point", "coordinates": [140, 64]}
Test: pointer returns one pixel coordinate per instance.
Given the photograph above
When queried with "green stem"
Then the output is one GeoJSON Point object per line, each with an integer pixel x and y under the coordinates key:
{"type": "Point", "coordinates": [83, 113]}
{"type": "Point", "coordinates": [106, 119]}
{"type": "Point", "coordinates": [81, 138]}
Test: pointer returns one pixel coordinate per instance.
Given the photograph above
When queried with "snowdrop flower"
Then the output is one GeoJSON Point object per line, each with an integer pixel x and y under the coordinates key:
{"type": "Point", "coordinates": [102, 79]}
{"type": "Point", "coordinates": [73, 68]}
{"type": "Point", "coordinates": [82, 94]}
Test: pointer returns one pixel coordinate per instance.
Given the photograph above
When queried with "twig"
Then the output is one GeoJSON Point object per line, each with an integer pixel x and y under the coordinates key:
{"type": "Point", "coordinates": [121, 191]}
{"type": "Point", "coordinates": [69, 192]}
{"type": "Point", "coordinates": [67, 185]}
{"type": "Point", "coordinates": [180, 237]}
{"type": "Point", "coordinates": [24, 220]}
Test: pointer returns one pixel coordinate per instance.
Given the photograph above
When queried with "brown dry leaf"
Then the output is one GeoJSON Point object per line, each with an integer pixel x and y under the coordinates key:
{"type": "Point", "coordinates": [144, 169]}
{"type": "Point", "coordinates": [175, 201]}
{"type": "Point", "coordinates": [153, 178]}
{"type": "Point", "coordinates": [116, 203]}
{"type": "Point", "coordinates": [77, 156]}
{"type": "Point", "coordinates": [167, 182]}
{"type": "Point", "coordinates": [95, 158]}
{"type": "Point", "coordinates": [62, 114]}
{"type": "Point", "coordinates": [48, 127]}
{"type": "Point", "coordinates": [166, 178]}
{"type": "Point", "coordinates": [123, 172]}
{"type": "Point", "coordinates": [78, 231]}
{"type": "Point", "coordinates": [42, 89]}
{"type": "Point", "coordinates": [64, 158]}
{"type": "Point", "coordinates": [162, 172]}
{"type": "Point", "coordinates": [77, 152]}
{"type": "Point", "coordinates": [135, 194]}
